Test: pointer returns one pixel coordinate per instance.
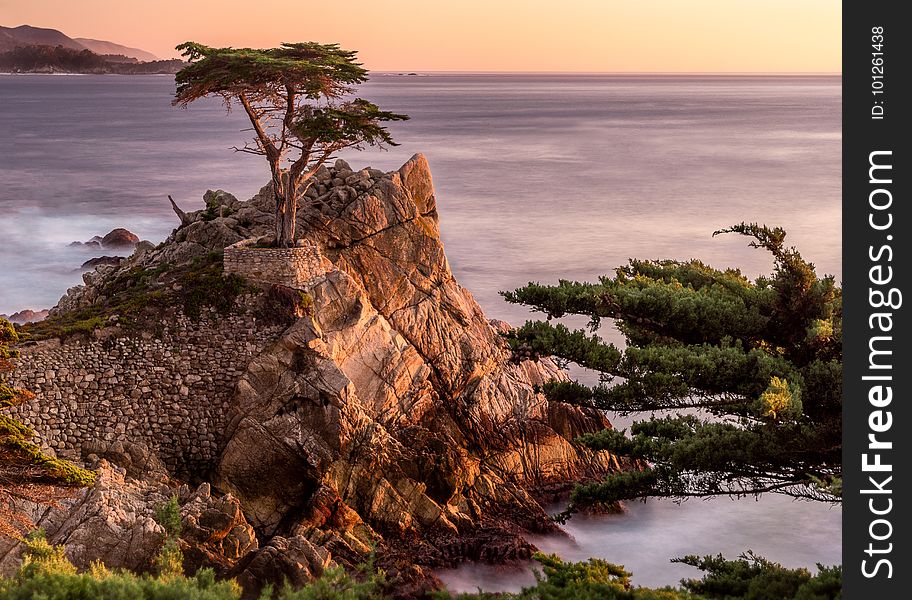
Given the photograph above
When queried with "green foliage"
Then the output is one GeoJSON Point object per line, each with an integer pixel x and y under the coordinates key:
{"type": "Point", "coordinates": [47, 574]}
{"type": "Point", "coordinates": [336, 584]}
{"type": "Point", "coordinates": [8, 334]}
{"type": "Point", "coordinates": [168, 516]}
{"type": "Point", "coordinates": [761, 360]}
{"type": "Point", "coordinates": [42, 59]}
{"type": "Point", "coordinates": [204, 283]}
{"type": "Point", "coordinates": [170, 559]}
{"type": "Point", "coordinates": [18, 449]}
{"type": "Point", "coordinates": [355, 120]}
{"type": "Point", "coordinates": [316, 69]}
{"type": "Point", "coordinates": [138, 297]}
{"type": "Point", "coordinates": [748, 578]}
{"type": "Point", "coordinates": [756, 578]}
{"type": "Point", "coordinates": [8, 395]}
{"type": "Point", "coordinates": [298, 98]}
{"type": "Point", "coordinates": [21, 460]}
{"type": "Point", "coordinates": [781, 400]}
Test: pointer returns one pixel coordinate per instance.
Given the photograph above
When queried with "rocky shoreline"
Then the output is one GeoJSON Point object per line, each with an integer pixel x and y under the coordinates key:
{"type": "Point", "coordinates": [386, 413]}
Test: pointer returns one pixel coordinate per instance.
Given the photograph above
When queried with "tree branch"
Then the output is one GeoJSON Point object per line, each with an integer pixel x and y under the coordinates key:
{"type": "Point", "coordinates": [288, 120]}
{"type": "Point", "coordinates": [269, 148]}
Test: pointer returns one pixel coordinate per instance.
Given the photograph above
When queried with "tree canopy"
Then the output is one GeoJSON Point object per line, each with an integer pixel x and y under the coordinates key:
{"type": "Point", "coordinates": [298, 99]}
{"type": "Point", "coordinates": [757, 364]}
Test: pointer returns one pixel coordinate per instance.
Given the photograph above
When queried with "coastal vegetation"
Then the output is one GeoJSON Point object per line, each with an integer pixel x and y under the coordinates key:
{"type": "Point", "coordinates": [59, 59]}
{"type": "Point", "coordinates": [138, 296]}
{"type": "Point", "coordinates": [750, 372]}
{"type": "Point", "coordinates": [296, 97]}
{"type": "Point", "coordinates": [48, 574]}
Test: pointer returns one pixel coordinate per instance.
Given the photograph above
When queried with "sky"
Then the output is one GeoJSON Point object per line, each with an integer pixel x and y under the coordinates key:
{"type": "Point", "coordinates": [771, 36]}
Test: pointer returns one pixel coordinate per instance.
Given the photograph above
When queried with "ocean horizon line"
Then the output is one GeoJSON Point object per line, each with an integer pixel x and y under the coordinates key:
{"type": "Point", "coordinates": [621, 73]}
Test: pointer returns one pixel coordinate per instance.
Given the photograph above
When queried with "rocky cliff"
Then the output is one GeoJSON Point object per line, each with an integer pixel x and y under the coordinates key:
{"type": "Point", "coordinates": [388, 413]}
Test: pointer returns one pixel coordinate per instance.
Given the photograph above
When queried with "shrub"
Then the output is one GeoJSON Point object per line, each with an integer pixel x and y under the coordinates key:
{"type": "Point", "coordinates": [47, 574]}
{"type": "Point", "coordinates": [170, 559]}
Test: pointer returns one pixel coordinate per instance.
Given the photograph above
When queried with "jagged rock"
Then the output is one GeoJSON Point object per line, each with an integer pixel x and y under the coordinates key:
{"type": "Point", "coordinates": [114, 521]}
{"type": "Point", "coordinates": [93, 242]}
{"type": "Point", "coordinates": [137, 460]}
{"type": "Point", "coordinates": [294, 560]}
{"type": "Point", "coordinates": [142, 247]}
{"type": "Point", "coordinates": [391, 414]}
{"type": "Point", "coordinates": [399, 395]}
{"type": "Point", "coordinates": [116, 239]}
{"type": "Point", "coordinates": [101, 260]}
{"type": "Point", "coordinates": [214, 532]}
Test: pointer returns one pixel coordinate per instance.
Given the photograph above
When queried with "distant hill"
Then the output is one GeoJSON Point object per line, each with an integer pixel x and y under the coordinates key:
{"type": "Point", "coordinates": [26, 35]}
{"type": "Point", "coordinates": [27, 49]}
{"type": "Point", "coordinates": [103, 47]}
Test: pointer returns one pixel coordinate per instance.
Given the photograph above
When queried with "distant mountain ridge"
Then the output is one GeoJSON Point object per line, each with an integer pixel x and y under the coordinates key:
{"type": "Point", "coordinates": [103, 47]}
{"type": "Point", "coordinates": [27, 35]}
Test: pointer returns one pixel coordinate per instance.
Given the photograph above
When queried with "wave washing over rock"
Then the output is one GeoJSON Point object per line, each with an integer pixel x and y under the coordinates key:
{"type": "Point", "coordinates": [388, 413]}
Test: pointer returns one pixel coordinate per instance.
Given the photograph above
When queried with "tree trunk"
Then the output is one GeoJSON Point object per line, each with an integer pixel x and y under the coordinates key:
{"type": "Point", "coordinates": [286, 209]}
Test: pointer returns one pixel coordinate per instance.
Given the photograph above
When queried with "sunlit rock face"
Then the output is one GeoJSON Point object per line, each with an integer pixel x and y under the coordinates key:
{"type": "Point", "coordinates": [396, 404]}
{"type": "Point", "coordinates": [389, 413]}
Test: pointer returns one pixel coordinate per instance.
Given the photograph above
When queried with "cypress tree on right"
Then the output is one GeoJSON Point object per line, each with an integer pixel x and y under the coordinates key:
{"type": "Point", "coordinates": [748, 374]}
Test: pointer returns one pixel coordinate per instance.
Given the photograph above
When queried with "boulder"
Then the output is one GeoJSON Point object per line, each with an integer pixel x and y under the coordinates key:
{"type": "Point", "coordinates": [119, 238]}
{"type": "Point", "coordinates": [294, 560]}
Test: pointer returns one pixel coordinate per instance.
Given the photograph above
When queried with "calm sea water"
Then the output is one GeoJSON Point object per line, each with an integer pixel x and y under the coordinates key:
{"type": "Point", "coordinates": [539, 177]}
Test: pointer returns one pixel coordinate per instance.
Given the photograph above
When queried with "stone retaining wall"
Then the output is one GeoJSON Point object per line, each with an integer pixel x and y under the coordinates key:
{"type": "Point", "coordinates": [170, 392]}
{"type": "Point", "coordinates": [293, 267]}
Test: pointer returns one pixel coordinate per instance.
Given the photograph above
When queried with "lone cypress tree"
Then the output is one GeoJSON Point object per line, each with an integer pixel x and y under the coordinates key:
{"type": "Point", "coordinates": [295, 99]}
{"type": "Point", "coordinates": [757, 363]}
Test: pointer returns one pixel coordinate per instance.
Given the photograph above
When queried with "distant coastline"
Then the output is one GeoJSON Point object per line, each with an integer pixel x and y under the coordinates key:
{"type": "Point", "coordinates": [28, 49]}
{"type": "Point", "coordinates": [60, 59]}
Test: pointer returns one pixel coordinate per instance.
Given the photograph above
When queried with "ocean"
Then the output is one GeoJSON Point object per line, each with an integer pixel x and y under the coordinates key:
{"type": "Point", "coordinates": [538, 177]}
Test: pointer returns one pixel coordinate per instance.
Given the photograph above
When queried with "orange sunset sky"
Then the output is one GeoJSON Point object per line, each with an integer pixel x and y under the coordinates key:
{"type": "Point", "coordinates": [479, 35]}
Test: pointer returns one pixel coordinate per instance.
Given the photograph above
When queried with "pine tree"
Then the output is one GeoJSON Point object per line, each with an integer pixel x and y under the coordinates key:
{"type": "Point", "coordinates": [757, 364]}
{"type": "Point", "coordinates": [296, 98]}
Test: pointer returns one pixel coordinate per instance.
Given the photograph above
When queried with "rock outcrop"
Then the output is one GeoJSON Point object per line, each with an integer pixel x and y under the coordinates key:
{"type": "Point", "coordinates": [116, 239]}
{"type": "Point", "coordinates": [389, 415]}
{"type": "Point", "coordinates": [114, 521]}
{"type": "Point", "coordinates": [99, 261]}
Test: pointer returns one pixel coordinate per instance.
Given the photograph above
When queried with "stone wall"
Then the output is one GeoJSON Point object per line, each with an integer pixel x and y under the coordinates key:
{"type": "Point", "coordinates": [292, 267]}
{"type": "Point", "coordinates": [170, 392]}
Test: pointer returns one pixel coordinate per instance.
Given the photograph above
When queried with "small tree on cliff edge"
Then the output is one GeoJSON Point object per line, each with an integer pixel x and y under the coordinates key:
{"type": "Point", "coordinates": [763, 358]}
{"type": "Point", "coordinates": [297, 98]}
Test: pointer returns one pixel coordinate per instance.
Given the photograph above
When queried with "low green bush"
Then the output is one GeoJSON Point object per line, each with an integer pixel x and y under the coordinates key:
{"type": "Point", "coordinates": [138, 297]}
